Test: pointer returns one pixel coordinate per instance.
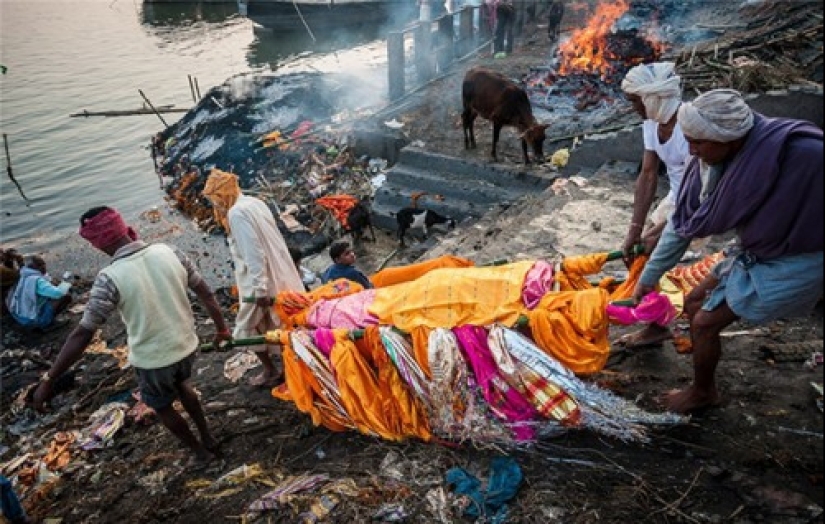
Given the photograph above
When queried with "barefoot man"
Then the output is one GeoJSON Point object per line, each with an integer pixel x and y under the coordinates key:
{"type": "Point", "coordinates": [147, 284]}
{"type": "Point", "coordinates": [263, 265]}
{"type": "Point", "coordinates": [761, 177]}
{"type": "Point", "coordinates": [655, 90]}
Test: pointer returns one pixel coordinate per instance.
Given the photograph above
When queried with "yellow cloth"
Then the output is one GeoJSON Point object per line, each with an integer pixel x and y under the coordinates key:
{"type": "Point", "coordinates": [222, 190]}
{"type": "Point", "coordinates": [626, 288]}
{"type": "Point", "coordinates": [397, 275]}
{"type": "Point", "coordinates": [453, 297]}
{"type": "Point", "coordinates": [572, 326]}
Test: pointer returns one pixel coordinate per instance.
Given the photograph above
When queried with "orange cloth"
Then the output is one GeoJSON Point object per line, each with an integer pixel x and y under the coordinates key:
{"type": "Point", "coordinates": [222, 190]}
{"type": "Point", "coordinates": [420, 337]}
{"type": "Point", "coordinates": [453, 297]}
{"type": "Point", "coordinates": [373, 392]}
{"type": "Point", "coordinates": [396, 275]}
{"type": "Point", "coordinates": [339, 206]}
{"type": "Point", "coordinates": [574, 271]}
{"type": "Point", "coordinates": [626, 288]}
{"type": "Point", "coordinates": [572, 327]}
{"type": "Point", "coordinates": [293, 307]}
{"type": "Point", "coordinates": [304, 389]}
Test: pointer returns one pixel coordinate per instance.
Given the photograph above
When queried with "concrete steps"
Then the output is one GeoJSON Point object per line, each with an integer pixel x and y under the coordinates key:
{"type": "Point", "coordinates": [469, 188]}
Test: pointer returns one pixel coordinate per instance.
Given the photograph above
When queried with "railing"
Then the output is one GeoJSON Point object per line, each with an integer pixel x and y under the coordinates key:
{"type": "Point", "coordinates": [436, 45]}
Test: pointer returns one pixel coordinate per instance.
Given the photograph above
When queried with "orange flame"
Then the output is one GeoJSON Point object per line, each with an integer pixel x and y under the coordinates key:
{"type": "Point", "coordinates": [586, 50]}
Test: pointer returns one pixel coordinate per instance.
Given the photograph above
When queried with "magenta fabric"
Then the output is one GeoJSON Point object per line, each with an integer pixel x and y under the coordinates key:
{"type": "Point", "coordinates": [105, 228]}
{"type": "Point", "coordinates": [348, 312]}
{"type": "Point", "coordinates": [505, 402]}
{"type": "Point", "coordinates": [655, 308]}
{"type": "Point", "coordinates": [771, 193]}
{"type": "Point", "coordinates": [537, 283]}
{"type": "Point", "coordinates": [324, 341]}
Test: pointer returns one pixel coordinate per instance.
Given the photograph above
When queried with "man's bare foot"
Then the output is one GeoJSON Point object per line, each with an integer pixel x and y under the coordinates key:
{"type": "Point", "coordinates": [212, 445]}
{"type": "Point", "coordinates": [200, 461]}
{"type": "Point", "coordinates": [691, 399]}
{"type": "Point", "coordinates": [266, 380]}
{"type": "Point", "coordinates": [650, 335]}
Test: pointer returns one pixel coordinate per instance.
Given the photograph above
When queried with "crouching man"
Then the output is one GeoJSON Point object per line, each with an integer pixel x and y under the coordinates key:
{"type": "Point", "coordinates": [146, 284]}
{"type": "Point", "coordinates": [758, 176]}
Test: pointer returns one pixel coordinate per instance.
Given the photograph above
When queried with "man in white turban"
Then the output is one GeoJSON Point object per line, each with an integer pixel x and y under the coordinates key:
{"type": "Point", "coordinates": [763, 178]}
{"type": "Point", "coordinates": [656, 93]}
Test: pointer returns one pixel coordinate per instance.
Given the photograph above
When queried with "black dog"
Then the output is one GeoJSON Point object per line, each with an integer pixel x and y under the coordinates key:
{"type": "Point", "coordinates": [358, 219]}
{"type": "Point", "coordinates": [412, 218]}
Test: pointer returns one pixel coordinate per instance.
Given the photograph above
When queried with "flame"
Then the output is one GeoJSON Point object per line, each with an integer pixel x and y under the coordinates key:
{"type": "Point", "coordinates": [586, 50]}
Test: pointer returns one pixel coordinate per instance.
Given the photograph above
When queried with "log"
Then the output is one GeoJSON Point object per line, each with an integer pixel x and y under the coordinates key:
{"type": "Point", "coordinates": [132, 112]}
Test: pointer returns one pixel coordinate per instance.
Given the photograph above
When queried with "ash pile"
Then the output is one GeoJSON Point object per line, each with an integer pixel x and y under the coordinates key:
{"type": "Point", "coordinates": [285, 137]}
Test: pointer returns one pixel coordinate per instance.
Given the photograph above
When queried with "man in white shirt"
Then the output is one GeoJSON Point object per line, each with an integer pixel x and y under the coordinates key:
{"type": "Point", "coordinates": [656, 94]}
{"type": "Point", "coordinates": [263, 264]}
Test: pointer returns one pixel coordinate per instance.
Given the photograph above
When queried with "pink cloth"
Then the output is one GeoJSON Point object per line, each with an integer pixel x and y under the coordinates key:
{"type": "Point", "coordinates": [349, 312]}
{"type": "Point", "coordinates": [106, 228]}
{"type": "Point", "coordinates": [655, 308]}
{"type": "Point", "coordinates": [537, 283]}
{"type": "Point", "coordinates": [505, 402]}
{"type": "Point", "coordinates": [324, 341]}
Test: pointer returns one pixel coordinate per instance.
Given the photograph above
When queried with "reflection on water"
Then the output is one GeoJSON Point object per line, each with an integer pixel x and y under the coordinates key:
{"type": "Point", "coordinates": [177, 14]}
{"type": "Point", "coordinates": [274, 49]}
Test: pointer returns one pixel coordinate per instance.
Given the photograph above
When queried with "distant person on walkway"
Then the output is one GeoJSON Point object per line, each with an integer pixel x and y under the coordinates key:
{"type": "Point", "coordinates": [656, 93]}
{"type": "Point", "coordinates": [11, 262]}
{"type": "Point", "coordinates": [146, 284]}
{"type": "Point", "coordinates": [34, 302]}
{"type": "Point", "coordinates": [555, 13]}
{"type": "Point", "coordinates": [263, 265]}
{"type": "Point", "coordinates": [758, 176]}
{"type": "Point", "coordinates": [505, 19]}
{"type": "Point", "coordinates": [343, 258]}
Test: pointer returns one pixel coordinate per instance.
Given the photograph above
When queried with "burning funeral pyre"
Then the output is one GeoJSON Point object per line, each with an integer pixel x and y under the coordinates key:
{"type": "Point", "coordinates": [588, 67]}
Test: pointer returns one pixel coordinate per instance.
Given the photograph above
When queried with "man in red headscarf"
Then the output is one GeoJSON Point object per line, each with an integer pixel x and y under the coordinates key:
{"type": "Point", "coordinates": [146, 284]}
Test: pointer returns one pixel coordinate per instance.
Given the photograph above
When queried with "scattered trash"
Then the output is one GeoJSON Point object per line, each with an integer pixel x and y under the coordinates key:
{"type": "Point", "coordinates": [280, 496]}
{"type": "Point", "coordinates": [238, 364]}
{"type": "Point", "coordinates": [320, 509]}
{"type": "Point", "coordinates": [560, 158]}
{"type": "Point", "coordinates": [390, 512]}
{"type": "Point", "coordinates": [104, 424]}
{"type": "Point", "coordinates": [491, 504]}
{"type": "Point", "coordinates": [814, 360]}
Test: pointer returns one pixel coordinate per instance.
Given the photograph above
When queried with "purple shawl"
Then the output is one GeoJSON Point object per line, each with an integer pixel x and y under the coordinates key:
{"type": "Point", "coordinates": [771, 192]}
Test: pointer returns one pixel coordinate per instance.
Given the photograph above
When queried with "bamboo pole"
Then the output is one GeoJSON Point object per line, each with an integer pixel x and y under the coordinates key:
{"type": "Point", "coordinates": [153, 107]}
{"type": "Point", "coordinates": [197, 87]}
{"type": "Point", "coordinates": [131, 112]}
{"type": "Point", "coordinates": [192, 89]}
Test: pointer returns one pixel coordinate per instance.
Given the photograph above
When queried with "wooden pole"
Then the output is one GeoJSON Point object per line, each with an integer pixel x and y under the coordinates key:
{"type": "Point", "coordinates": [192, 89]}
{"type": "Point", "coordinates": [153, 107]}
{"type": "Point", "coordinates": [9, 171]}
{"type": "Point", "coordinates": [197, 87]}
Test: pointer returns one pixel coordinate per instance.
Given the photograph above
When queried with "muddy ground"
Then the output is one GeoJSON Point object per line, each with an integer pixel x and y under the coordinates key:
{"type": "Point", "coordinates": [757, 458]}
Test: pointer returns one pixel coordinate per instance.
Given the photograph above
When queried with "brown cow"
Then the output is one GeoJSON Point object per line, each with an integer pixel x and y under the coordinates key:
{"type": "Point", "coordinates": [499, 100]}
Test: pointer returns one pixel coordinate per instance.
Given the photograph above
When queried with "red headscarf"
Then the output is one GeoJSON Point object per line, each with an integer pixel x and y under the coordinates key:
{"type": "Point", "coordinates": [106, 228]}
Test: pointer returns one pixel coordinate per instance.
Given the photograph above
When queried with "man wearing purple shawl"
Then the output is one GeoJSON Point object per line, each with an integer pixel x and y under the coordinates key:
{"type": "Point", "coordinates": [762, 178]}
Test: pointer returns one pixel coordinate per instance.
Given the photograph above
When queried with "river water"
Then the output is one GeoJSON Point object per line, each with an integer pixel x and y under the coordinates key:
{"type": "Point", "coordinates": [63, 57]}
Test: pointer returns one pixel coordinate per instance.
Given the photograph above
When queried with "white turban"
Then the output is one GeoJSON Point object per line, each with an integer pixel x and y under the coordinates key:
{"type": "Point", "coordinates": [659, 87]}
{"type": "Point", "coordinates": [721, 115]}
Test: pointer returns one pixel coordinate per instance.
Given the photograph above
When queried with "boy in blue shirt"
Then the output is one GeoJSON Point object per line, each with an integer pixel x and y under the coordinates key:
{"type": "Point", "coordinates": [343, 258]}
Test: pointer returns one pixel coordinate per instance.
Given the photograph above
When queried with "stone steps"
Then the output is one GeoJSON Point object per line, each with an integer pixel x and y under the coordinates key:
{"type": "Point", "coordinates": [466, 189]}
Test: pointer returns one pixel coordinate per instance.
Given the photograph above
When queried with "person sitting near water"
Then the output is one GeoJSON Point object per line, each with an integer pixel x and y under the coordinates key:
{"type": "Point", "coordinates": [655, 91]}
{"type": "Point", "coordinates": [147, 284]}
{"type": "Point", "coordinates": [343, 258]}
{"type": "Point", "coordinates": [758, 176]}
{"type": "Point", "coordinates": [10, 264]}
{"type": "Point", "coordinates": [34, 302]}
